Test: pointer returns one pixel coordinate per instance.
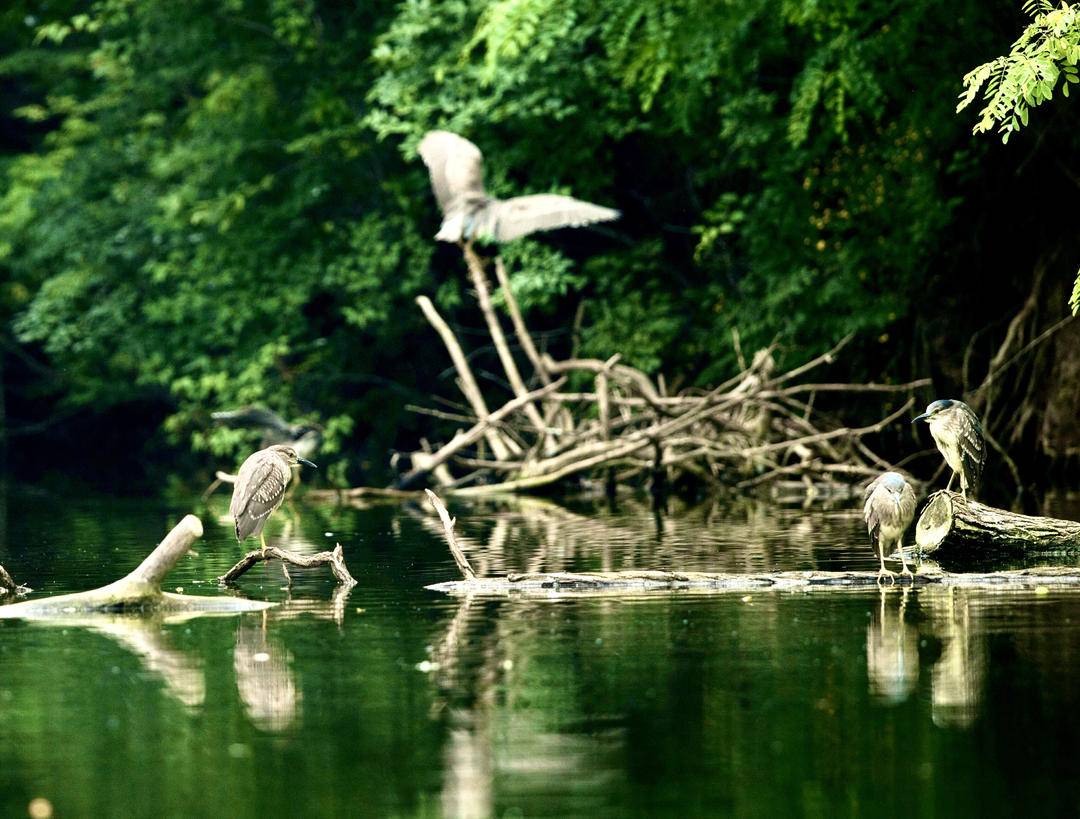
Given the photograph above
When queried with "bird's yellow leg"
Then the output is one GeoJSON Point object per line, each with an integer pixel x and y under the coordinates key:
{"type": "Point", "coordinates": [903, 562]}
{"type": "Point", "coordinates": [883, 572]}
{"type": "Point", "coordinates": [952, 478]}
{"type": "Point", "coordinates": [262, 540]}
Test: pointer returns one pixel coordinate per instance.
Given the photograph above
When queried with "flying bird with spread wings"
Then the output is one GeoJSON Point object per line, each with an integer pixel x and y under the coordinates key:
{"type": "Point", "coordinates": [457, 177]}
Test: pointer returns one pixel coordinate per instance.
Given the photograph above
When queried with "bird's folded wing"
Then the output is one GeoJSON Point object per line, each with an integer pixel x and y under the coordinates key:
{"type": "Point", "coordinates": [454, 164]}
{"type": "Point", "coordinates": [972, 447]}
{"type": "Point", "coordinates": [882, 509]}
{"type": "Point", "coordinates": [259, 488]}
{"type": "Point", "coordinates": [545, 211]}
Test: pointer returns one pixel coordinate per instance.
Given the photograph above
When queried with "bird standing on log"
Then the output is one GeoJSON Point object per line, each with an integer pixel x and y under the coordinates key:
{"type": "Point", "coordinates": [260, 488]}
{"type": "Point", "coordinates": [959, 437]}
{"type": "Point", "coordinates": [888, 509]}
{"type": "Point", "coordinates": [457, 177]}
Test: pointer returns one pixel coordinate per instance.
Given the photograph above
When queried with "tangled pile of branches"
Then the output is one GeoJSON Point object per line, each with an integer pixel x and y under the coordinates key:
{"type": "Point", "coordinates": [757, 427]}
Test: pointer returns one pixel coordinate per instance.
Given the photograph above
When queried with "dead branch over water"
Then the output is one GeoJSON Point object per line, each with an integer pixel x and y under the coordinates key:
{"type": "Point", "coordinates": [335, 560]}
{"type": "Point", "coordinates": [758, 427]}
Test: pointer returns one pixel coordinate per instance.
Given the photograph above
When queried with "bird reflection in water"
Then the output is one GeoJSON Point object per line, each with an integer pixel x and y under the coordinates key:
{"type": "Point", "coordinates": [892, 652]}
{"type": "Point", "coordinates": [960, 672]}
{"type": "Point", "coordinates": [944, 617]}
{"type": "Point", "coordinates": [264, 676]}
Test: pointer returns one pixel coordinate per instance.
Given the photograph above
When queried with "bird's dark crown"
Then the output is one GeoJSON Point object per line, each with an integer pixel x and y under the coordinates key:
{"type": "Point", "coordinates": [940, 405]}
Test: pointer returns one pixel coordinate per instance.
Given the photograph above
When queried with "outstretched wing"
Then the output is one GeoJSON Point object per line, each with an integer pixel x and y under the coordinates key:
{"type": "Point", "coordinates": [972, 446]}
{"type": "Point", "coordinates": [455, 166]}
{"type": "Point", "coordinates": [255, 417]}
{"type": "Point", "coordinates": [545, 211]}
{"type": "Point", "coordinates": [260, 487]}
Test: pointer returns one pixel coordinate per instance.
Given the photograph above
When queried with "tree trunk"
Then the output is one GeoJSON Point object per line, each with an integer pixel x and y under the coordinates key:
{"type": "Point", "coordinates": [949, 521]}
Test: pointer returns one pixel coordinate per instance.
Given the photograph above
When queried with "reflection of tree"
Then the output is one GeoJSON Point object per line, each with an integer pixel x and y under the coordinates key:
{"type": "Point", "coordinates": [144, 637]}
{"type": "Point", "coordinates": [892, 652]}
{"type": "Point", "coordinates": [264, 676]}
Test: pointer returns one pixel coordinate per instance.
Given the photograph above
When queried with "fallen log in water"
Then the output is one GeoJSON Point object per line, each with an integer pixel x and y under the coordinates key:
{"type": "Point", "coordinates": [140, 590]}
{"type": "Point", "coordinates": [645, 580]}
{"type": "Point", "coordinates": [335, 560]}
{"type": "Point", "coordinates": [547, 583]}
{"type": "Point", "coordinates": [950, 521]}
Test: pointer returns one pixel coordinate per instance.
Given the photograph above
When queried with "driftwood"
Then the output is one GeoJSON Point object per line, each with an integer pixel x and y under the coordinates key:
{"type": "Point", "coordinates": [8, 585]}
{"type": "Point", "coordinates": [140, 590]}
{"type": "Point", "coordinates": [335, 560]}
{"type": "Point", "coordinates": [648, 581]}
{"type": "Point", "coordinates": [948, 520]}
{"type": "Point", "coordinates": [759, 427]}
{"type": "Point", "coordinates": [645, 580]}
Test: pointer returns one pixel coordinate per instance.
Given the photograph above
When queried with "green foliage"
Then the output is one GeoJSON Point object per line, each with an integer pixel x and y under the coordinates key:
{"type": "Point", "coordinates": [220, 203]}
{"type": "Point", "coordinates": [1048, 50]}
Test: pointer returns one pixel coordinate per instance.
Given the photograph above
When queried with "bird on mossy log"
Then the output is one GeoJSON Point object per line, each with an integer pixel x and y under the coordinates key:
{"type": "Point", "coordinates": [260, 488]}
{"type": "Point", "coordinates": [888, 509]}
{"type": "Point", "coordinates": [457, 177]}
{"type": "Point", "coordinates": [958, 435]}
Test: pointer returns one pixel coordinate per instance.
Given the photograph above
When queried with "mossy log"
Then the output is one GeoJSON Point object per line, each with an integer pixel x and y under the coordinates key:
{"type": "Point", "coordinates": [949, 521]}
{"type": "Point", "coordinates": [140, 590]}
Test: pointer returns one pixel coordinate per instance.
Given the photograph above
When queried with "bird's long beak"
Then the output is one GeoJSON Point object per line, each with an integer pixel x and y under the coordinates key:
{"type": "Point", "coordinates": [305, 462]}
{"type": "Point", "coordinates": [922, 417]}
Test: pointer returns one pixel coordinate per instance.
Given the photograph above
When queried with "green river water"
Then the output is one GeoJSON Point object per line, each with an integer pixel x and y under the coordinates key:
{"type": "Point", "coordinates": [392, 700]}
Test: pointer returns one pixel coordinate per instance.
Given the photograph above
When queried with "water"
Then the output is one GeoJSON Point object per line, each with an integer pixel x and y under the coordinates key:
{"type": "Point", "coordinates": [396, 701]}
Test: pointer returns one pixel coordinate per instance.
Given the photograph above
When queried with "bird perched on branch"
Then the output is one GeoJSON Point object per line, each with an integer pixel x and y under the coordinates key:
{"type": "Point", "coordinates": [959, 437]}
{"type": "Point", "coordinates": [457, 177]}
{"type": "Point", "coordinates": [888, 509]}
{"type": "Point", "coordinates": [260, 488]}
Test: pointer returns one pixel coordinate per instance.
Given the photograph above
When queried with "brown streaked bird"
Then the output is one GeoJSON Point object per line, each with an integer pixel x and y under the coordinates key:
{"type": "Point", "coordinates": [260, 488]}
{"type": "Point", "coordinates": [457, 177]}
{"type": "Point", "coordinates": [888, 509]}
{"type": "Point", "coordinates": [959, 436]}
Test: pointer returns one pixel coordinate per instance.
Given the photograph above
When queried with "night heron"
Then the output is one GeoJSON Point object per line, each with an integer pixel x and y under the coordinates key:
{"type": "Point", "coordinates": [260, 488]}
{"type": "Point", "coordinates": [888, 509]}
{"type": "Point", "coordinates": [457, 177]}
{"type": "Point", "coordinates": [959, 437]}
